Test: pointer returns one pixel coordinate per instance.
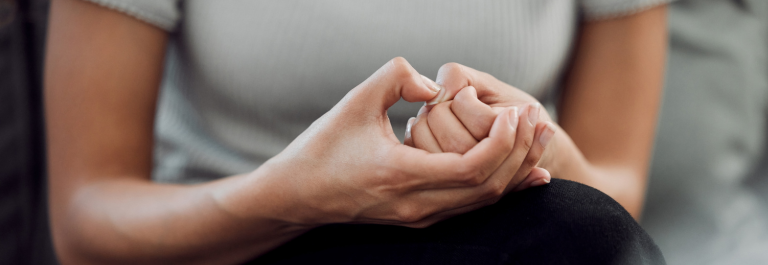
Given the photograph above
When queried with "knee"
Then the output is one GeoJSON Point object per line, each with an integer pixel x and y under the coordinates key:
{"type": "Point", "coordinates": [580, 221]}
{"type": "Point", "coordinates": [576, 204]}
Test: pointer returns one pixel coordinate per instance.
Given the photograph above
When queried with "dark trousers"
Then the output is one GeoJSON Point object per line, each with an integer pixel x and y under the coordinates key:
{"type": "Point", "coordinates": [561, 223]}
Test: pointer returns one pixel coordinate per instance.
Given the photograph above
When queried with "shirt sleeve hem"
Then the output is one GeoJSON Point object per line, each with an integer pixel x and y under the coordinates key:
{"type": "Point", "coordinates": [155, 20]}
{"type": "Point", "coordinates": [620, 10]}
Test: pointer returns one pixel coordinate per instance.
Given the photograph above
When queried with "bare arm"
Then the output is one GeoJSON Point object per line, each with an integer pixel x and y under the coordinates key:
{"type": "Point", "coordinates": [608, 109]}
{"type": "Point", "coordinates": [610, 105]}
{"type": "Point", "coordinates": [102, 76]}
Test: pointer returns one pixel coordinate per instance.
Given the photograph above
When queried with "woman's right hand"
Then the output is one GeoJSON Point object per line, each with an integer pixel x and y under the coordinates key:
{"type": "Point", "coordinates": [348, 166]}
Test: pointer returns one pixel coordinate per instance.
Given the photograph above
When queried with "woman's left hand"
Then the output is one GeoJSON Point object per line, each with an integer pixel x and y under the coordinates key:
{"type": "Point", "coordinates": [457, 126]}
{"type": "Point", "coordinates": [454, 78]}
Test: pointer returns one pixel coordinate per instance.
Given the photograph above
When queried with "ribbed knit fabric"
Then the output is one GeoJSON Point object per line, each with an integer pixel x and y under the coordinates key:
{"type": "Point", "coordinates": [244, 78]}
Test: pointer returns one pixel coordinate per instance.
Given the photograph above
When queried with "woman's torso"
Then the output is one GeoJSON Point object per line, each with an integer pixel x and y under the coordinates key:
{"type": "Point", "coordinates": [244, 78]}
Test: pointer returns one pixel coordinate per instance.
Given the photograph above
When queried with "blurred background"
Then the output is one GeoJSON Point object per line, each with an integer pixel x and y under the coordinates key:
{"type": "Point", "coordinates": [716, 98]}
{"type": "Point", "coordinates": [24, 235]}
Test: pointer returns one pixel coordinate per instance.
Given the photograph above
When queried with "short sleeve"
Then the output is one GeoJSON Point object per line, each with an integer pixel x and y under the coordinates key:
{"type": "Point", "coordinates": [606, 9]}
{"type": "Point", "coordinates": [164, 14]}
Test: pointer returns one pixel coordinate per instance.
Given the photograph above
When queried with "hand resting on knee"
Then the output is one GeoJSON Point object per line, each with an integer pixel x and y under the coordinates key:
{"type": "Point", "coordinates": [457, 125]}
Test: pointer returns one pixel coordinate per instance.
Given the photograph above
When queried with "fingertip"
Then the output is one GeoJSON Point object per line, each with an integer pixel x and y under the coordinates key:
{"type": "Point", "coordinates": [433, 87]}
{"type": "Point", "coordinates": [543, 176]}
{"type": "Point", "coordinates": [523, 110]}
{"type": "Point", "coordinates": [537, 177]}
{"type": "Point", "coordinates": [505, 124]}
{"type": "Point", "coordinates": [540, 182]}
{"type": "Point", "coordinates": [424, 110]}
{"type": "Point", "coordinates": [543, 173]}
{"type": "Point", "coordinates": [437, 92]}
{"type": "Point", "coordinates": [546, 134]}
{"type": "Point", "coordinates": [410, 122]}
{"type": "Point", "coordinates": [407, 140]}
{"type": "Point", "coordinates": [419, 88]}
{"type": "Point", "coordinates": [514, 117]}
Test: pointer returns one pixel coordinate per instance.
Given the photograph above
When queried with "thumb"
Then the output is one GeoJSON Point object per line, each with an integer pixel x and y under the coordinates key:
{"type": "Point", "coordinates": [396, 79]}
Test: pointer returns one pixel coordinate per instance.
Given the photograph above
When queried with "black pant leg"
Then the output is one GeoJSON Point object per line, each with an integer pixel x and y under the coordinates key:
{"type": "Point", "coordinates": [561, 223]}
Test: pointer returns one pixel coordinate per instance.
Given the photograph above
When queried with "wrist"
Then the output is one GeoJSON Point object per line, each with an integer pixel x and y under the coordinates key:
{"type": "Point", "coordinates": [259, 197]}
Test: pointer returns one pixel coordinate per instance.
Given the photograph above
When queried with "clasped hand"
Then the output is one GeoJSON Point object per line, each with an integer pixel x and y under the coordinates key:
{"type": "Point", "coordinates": [476, 140]}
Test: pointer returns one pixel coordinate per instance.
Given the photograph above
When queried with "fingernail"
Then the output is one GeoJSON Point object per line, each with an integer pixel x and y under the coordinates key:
{"type": "Point", "coordinates": [422, 110]}
{"type": "Point", "coordinates": [408, 127]}
{"type": "Point", "coordinates": [547, 134]}
{"type": "Point", "coordinates": [513, 117]}
{"type": "Point", "coordinates": [533, 113]}
{"type": "Point", "coordinates": [520, 113]}
{"type": "Point", "coordinates": [435, 87]}
{"type": "Point", "coordinates": [431, 84]}
{"type": "Point", "coordinates": [540, 182]}
{"type": "Point", "coordinates": [437, 99]}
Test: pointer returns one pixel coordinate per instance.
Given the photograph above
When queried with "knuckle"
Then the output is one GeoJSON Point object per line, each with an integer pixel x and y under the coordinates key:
{"type": "Point", "coordinates": [471, 175]}
{"type": "Point", "coordinates": [527, 143]}
{"type": "Point", "coordinates": [495, 189]}
{"type": "Point", "coordinates": [400, 67]}
{"type": "Point", "coordinates": [398, 61]}
{"type": "Point", "coordinates": [385, 181]}
{"type": "Point", "coordinates": [451, 67]}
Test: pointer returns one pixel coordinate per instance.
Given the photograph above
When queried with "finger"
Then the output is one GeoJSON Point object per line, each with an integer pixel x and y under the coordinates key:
{"type": "Point", "coordinates": [453, 77]}
{"type": "Point", "coordinates": [448, 170]}
{"type": "Point", "coordinates": [440, 97]}
{"type": "Point", "coordinates": [475, 115]}
{"type": "Point", "coordinates": [396, 79]}
{"type": "Point", "coordinates": [537, 177]}
{"type": "Point", "coordinates": [544, 132]}
{"type": "Point", "coordinates": [445, 214]}
{"type": "Point", "coordinates": [471, 167]}
{"type": "Point", "coordinates": [407, 139]}
{"type": "Point", "coordinates": [449, 132]}
{"type": "Point", "coordinates": [511, 172]}
{"type": "Point", "coordinates": [421, 134]}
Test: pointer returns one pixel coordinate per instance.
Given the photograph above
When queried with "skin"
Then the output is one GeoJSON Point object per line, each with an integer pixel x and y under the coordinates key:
{"type": "Point", "coordinates": [607, 114]}
{"type": "Point", "coordinates": [457, 126]}
{"type": "Point", "coordinates": [101, 85]}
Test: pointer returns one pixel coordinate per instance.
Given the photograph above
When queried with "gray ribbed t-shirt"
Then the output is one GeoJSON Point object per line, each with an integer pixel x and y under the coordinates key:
{"type": "Point", "coordinates": [244, 78]}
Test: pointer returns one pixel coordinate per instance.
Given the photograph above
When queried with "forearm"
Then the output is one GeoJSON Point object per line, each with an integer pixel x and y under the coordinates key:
{"type": "Point", "coordinates": [136, 221]}
{"type": "Point", "coordinates": [609, 105]}
{"type": "Point", "coordinates": [623, 183]}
